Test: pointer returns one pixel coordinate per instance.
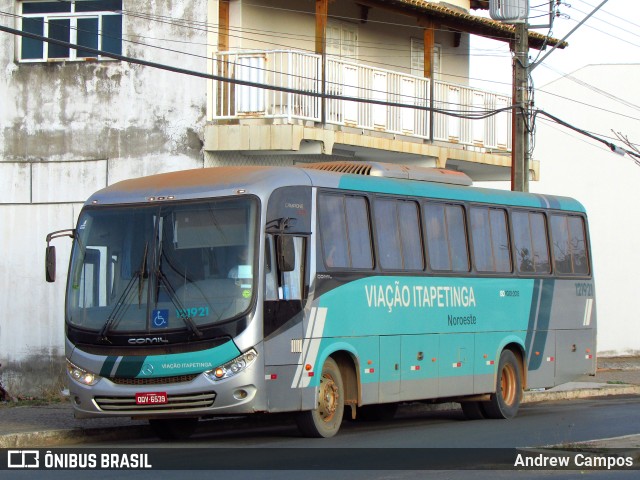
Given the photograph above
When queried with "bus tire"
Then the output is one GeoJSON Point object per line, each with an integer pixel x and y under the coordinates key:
{"type": "Point", "coordinates": [504, 403]}
{"type": "Point", "coordinates": [473, 410]}
{"type": "Point", "coordinates": [173, 428]}
{"type": "Point", "coordinates": [325, 420]}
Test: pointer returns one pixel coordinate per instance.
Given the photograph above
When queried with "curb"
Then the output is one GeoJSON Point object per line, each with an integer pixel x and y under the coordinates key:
{"type": "Point", "coordinates": [550, 395]}
{"type": "Point", "coordinates": [73, 436]}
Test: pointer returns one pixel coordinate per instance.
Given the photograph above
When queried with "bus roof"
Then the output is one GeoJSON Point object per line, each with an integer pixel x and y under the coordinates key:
{"type": "Point", "coordinates": [261, 180]}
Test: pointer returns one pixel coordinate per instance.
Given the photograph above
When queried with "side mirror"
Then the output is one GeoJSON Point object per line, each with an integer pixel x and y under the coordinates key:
{"type": "Point", "coordinates": [50, 264]}
{"type": "Point", "coordinates": [50, 255]}
{"type": "Point", "coordinates": [286, 253]}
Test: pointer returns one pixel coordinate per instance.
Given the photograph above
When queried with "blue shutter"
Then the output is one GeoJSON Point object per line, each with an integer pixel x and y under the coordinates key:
{"type": "Point", "coordinates": [59, 29]}
{"type": "Point", "coordinates": [87, 36]}
{"type": "Point", "coordinates": [112, 34]}
{"type": "Point", "coordinates": [32, 48]}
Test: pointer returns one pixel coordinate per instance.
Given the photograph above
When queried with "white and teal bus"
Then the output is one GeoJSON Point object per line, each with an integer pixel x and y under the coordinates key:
{"type": "Point", "coordinates": [327, 290]}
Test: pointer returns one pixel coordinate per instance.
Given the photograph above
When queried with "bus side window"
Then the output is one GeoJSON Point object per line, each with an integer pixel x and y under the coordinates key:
{"type": "Point", "coordinates": [530, 239]}
{"type": "Point", "coordinates": [446, 237]}
{"type": "Point", "coordinates": [569, 245]}
{"type": "Point", "coordinates": [270, 270]}
{"type": "Point", "coordinates": [284, 285]}
{"type": "Point", "coordinates": [292, 282]}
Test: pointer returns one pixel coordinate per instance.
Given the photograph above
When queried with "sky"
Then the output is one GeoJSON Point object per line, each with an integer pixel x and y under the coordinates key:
{"type": "Point", "coordinates": [611, 35]}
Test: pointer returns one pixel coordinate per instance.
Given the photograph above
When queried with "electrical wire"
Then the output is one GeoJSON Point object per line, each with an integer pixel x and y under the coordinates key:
{"type": "Point", "coordinates": [470, 115]}
{"type": "Point", "coordinates": [612, 146]}
{"type": "Point", "coordinates": [189, 53]}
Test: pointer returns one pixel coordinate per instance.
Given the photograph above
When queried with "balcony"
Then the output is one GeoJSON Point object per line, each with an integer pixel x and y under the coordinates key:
{"type": "Point", "coordinates": [438, 114]}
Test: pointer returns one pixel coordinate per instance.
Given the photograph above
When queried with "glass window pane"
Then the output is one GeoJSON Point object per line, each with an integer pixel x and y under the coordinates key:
{"type": "Point", "coordinates": [540, 245]}
{"type": "Point", "coordinates": [32, 48]}
{"type": "Point", "coordinates": [45, 7]}
{"type": "Point", "coordinates": [112, 34]}
{"type": "Point", "coordinates": [561, 249]}
{"type": "Point", "coordinates": [359, 232]}
{"type": "Point", "coordinates": [388, 234]}
{"type": "Point", "coordinates": [87, 36]}
{"type": "Point", "coordinates": [481, 234]}
{"type": "Point", "coordinates": [522, 240]}
{"type": "Point", "coordinates": [437, 246]}
{"type": "Point", "coordinates": [457, 234]}
{"type": "Point", "coordinates": [59, 29]}
{"type": "Point", "coordinates": [99, 5]}
{"type": "Point", "coordinates": [333, 230]}
{"type": "Point", "coordinates": [578, 246]}
{"type": "Point", "coordinates": [410, 235]}
{"type": "Point", "coordinates": [500, 240]}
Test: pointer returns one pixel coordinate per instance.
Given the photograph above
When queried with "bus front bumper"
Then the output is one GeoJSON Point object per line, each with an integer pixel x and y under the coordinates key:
{"type": "Point", "coordinates": [198, 397]}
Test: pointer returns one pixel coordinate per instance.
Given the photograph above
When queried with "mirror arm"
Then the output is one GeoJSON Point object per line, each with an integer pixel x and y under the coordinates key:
{"type": "Point", "coordinates": [68, 232]}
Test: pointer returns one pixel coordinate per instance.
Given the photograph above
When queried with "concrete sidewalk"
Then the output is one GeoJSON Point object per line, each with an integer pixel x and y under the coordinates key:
{"type": "Point", "coordinates": [54, 424]}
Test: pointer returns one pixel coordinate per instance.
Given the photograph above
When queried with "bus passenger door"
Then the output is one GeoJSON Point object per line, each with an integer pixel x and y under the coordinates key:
{"type": "Point", "coordinates": [285, 290]}
{"type": "Point", "coordinates": [284, 294]}
{"type": "Point", "coordinates": [389, 390]}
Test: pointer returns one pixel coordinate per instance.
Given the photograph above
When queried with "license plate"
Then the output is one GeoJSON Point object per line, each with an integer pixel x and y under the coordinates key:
{"type": "Point", "coordinates": [151, 398]}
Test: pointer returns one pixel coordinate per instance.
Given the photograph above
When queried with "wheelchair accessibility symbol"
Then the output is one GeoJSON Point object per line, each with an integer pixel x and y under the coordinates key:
{"type": "Point", "coordinates": [160, 318]}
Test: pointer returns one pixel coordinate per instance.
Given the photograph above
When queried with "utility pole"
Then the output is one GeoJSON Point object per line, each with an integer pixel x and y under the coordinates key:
{"type": "Point", "coordinates": [520, 144]}
{"type": "Point", "coordinates": [516, 12]}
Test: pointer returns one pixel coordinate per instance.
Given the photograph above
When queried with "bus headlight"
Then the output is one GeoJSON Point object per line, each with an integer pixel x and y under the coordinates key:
{"type": "Point", "coordinates": [233, 367]}
{"type": "Point", "coordinates": [81, 376]}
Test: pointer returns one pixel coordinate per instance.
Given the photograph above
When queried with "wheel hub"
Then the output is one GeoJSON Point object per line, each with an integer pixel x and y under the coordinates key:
{"type": "Point", "coordinates": [328, 398]}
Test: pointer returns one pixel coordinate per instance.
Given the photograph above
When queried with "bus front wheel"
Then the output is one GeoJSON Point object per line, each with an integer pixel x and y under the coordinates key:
{"type": "Point", "coordinates": [325, 420]}
{"type": "Point", "coordinates": [504, 403]}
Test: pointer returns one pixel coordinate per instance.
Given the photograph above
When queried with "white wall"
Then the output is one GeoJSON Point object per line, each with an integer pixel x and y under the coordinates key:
{"type": "Point", "coordinates": [66, 130]}
{"type": "Point", "coordinates": [607, 184]}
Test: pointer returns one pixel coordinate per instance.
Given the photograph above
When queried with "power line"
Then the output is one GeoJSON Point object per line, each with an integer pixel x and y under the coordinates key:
{"type": "Point", "coordinates": [206, 29]}
{"type": "Point", "coordinates": [467, 115]}
{"type": "Point", "coordinates": [587, 104]}
{"type": "Point", "coordinates": [614, 15]}
{"type": "Point", "coordinates": [596, 90]}
{"type": "Point", "coordinates": [470, 115]}
{"type": "Point", "coordinates": [612, 146]}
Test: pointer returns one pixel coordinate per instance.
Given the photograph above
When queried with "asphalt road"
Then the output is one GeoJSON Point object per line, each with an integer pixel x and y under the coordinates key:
{"type": "Point", "coordinates": [537, 425]}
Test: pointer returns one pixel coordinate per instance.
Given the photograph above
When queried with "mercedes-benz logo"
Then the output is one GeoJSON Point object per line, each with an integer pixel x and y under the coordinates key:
{"type": "Point", "coordinates": [147, 369]}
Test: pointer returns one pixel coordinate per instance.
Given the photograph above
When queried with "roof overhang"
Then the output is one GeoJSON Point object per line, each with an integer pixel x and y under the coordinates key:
{"type": "Point", "coordinates": [462, 21]}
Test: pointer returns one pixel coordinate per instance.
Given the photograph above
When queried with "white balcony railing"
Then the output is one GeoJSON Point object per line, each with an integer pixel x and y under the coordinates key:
{"type": "Point", "coordinates": [302, 72]}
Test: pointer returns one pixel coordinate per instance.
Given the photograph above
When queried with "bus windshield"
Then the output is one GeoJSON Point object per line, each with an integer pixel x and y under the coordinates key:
{"type": "Point", "coordinates": [163, 266]}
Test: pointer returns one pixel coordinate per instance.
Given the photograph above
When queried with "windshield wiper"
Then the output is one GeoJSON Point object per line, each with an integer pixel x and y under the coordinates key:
{"type": "Point", "coordinates": [120, 308]}
{"type": "Point", "coordinates": [142, 274]}
{"type": "Point", "coordinates": [186, 318]}
{"type": "Point", "coordinates": [121, 305]}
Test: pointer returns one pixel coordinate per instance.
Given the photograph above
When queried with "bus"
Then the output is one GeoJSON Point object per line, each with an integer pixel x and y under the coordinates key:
{"type": "Point", "coordinates": [328, 290]}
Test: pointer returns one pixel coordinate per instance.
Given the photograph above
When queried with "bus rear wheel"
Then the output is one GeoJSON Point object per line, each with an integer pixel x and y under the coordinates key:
{"type": "Point", "coordinates": [504, 403]}
{"type": "Point", "coordinates": [325, 420]}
